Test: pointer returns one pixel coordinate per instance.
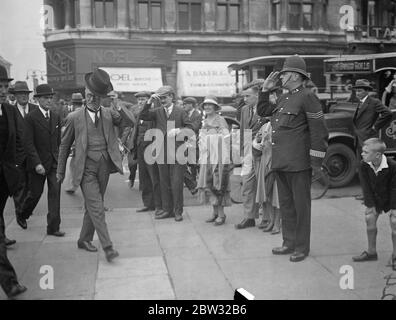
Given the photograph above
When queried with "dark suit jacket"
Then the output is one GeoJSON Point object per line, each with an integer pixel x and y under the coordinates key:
{"type": "Point", "coordinates": [22, 123]}
{"type": "Point", "coordinates": [379, 191]}
{"type": "Point", "coordinates": [196, 121]}
{"type": "Point", "coordinates": [42, 139]}
{"type": "Point", "coordinates": [13, 155]}
{"type": "Point", "coordinates": [158, 116]}
{"type": "Point", "coordinates": [370, 118]}
{"type": "Point", "coordinates": [249, 121]}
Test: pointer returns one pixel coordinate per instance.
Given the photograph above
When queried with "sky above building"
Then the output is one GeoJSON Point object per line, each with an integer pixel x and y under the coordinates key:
{"type": "Point", "coordinates": [21, 38]}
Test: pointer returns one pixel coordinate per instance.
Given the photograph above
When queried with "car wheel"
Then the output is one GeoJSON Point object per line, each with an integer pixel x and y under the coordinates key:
{"type": "Point", "coordinates": [341, 164]}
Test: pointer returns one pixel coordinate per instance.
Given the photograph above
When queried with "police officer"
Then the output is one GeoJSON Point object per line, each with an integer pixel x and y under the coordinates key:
{"type": "Point", "coordinates": [299, 143]}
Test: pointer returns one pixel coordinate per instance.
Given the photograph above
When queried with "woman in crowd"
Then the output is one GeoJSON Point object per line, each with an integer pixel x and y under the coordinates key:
{"type": "Point", "coordinates": [390, 95]}
{"type": "Point", "coordinates": [267, 191]}
{"type": "Point", "coordinates": [214, 174]}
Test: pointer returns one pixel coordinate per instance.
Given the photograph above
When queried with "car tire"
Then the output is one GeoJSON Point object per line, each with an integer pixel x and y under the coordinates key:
{"type": "Point", "coordinates": [341, 163]}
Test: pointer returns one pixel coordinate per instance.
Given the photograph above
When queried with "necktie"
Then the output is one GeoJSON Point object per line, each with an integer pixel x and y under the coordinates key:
{"type": "Point", "coordinates": [357, 110]}
{"type": "Point", "coordinates": [96, 116]}
{"type": "Point", "coordinates": [24, 112]}
{"type": "Point", "coordinates": [47, 115]}
{"type": "Point", "coordinates": [167, 112]}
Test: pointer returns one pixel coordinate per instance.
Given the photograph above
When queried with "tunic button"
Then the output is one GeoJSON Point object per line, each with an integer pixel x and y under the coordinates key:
{"type": "Point", "coordinates": [287, 98]}
{"type": "Point", "coordinates": [273, 131]}
{"type": "Point", "coordinates": [273, 143]}
{"type": "Point", "coordinates": [277, 120]}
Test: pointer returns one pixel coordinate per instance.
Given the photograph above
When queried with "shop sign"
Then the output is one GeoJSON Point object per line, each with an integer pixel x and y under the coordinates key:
{"type": "Point", "coordinates": [60, 66]}
{"type": "Point", "coordinates": [356, 66]}
{"type": "Point", "coordinates": [376, 32]}
{"type": "Point", "coordinates": [201, 78]}
{"type": "Point", "coordinates": [135, 79]}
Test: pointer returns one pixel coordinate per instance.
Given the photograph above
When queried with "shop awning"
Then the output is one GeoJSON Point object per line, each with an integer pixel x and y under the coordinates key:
{"type": "Point", "coordinates": [361, 64]}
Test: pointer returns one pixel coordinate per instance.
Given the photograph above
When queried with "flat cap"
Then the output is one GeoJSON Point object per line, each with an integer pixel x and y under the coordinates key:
{"type": "Point", "coordinates": [143, 94]}
{"type": "Point", "coordinates": [165, 90]}
{"type": "Point", "coordinates": [191, 100]}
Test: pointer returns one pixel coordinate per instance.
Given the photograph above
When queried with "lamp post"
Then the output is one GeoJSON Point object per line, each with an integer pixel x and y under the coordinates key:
{"type": "Point", "coordinates": [34, 74]}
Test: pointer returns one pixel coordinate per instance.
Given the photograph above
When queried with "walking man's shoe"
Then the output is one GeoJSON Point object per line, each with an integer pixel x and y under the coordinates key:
{"type": "Point", "coordinates": [21, 222]}
{"type": "Point", "coordinates": [359, 197]}
{"type": "Point", "coordinates": [365, 256]}
{"type": "Point", "coordinates": [297, 257]}
{"type": "Point", "coordinates": [15, 290]}
{"type": "Point", "coordinates": [145, 209]}
{"type": "Point", "coordinates": [178, 217]}
{"type": "Point", "coordinates": [165, 215]}
{"type": "Point", "coordinates": [158, 212]}
{"type": "Point", "coordinates": [245, 223]}
{"type": "Point", "coordinates": [9, 242]}
{"type": "Point", "coordinates": [86, 245]}
{"type": "Point", "coordinates": [56, 233]}
{"type": "Point", "coordinates": [282, 250]}
{"type": "Point", "coordinates": [111, 254]}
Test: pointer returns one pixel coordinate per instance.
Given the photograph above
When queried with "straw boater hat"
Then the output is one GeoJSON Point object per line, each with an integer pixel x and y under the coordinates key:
{"type": "Point", "coordinates": [4, 74]}
{"type": "Point", "coordinates": [99, 83]}
{"type": "Point", "coordinates": [211, 100]}
{"type": "Point", "coordinates": [295, 64]}
{"type": "Point", "coordinates": [44, 90]}
{"type": "Point", "coordinates": [20, 87]}
{"type": "Point", "coordinates": [363, 84]}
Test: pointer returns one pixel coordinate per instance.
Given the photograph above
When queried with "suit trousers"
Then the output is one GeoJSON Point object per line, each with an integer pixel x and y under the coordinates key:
{"type": "Point", "coordinates": [149, 181]}
{"type": "Point", "coordinates": [249, 189]}
{"type": "Point", "coordinates": [71, 165]}
{"type": "Point", "coordinates": [171, 182]}
{"type": "Point", "coordinates": [93, 185]}
{"type": "Point", "coordinates": [295, 205]}
{"type": "Point", "coordinates": [132, 166]}
{"type": "Point", "coordinates": [8, 276]}
{"type": "Point", "coordinates": [21, 195]}
{"type": "Point", "coordinates": [36, 187]}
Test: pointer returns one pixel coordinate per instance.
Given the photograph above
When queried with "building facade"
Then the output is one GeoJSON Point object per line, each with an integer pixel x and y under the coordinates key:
{"type": "Point", "coordinates": [186, 43]}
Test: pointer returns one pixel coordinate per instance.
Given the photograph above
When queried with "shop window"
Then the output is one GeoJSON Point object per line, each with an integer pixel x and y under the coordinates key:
{"type": "Point", "coordinates": [150, 15]}
{"type": "Point", "coordinates": [190, 15]}
{"type": "Point", "coordinates": [104, 13]}
{"type": "Point", "coordinates": [228, 15]}
{"type": "Point", "coordinates": [300, 15]}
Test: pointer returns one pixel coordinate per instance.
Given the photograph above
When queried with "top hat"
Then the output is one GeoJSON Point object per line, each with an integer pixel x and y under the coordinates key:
{"type": "Point", "coordinates": [4, 74]}
{"type": "Point", "coordinates": [77, 98]}
{"type": "Point", "coordinates": [295, 64]}
{"type": "Point", "coordinates": [190, 100]}
{"type": "Point", "coordinates": [362, 84]}
{"type": "Point", "coordinates": [20, 87]}
{"type": "Point", "coordinates": [165, 90]}
{"type": "Point", "coordinates": [44, 90]}
{"type": "Point", "coordinates": [143, 94]}
{"type": "Point", "coordinates": [211, 100]}
{"type": "Point", "coordinates": [98, 82]}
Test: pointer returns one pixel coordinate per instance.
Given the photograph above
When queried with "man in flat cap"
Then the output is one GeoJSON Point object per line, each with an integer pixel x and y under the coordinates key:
{"type": "Point", "coordinates": [190, 176]}
{"type": "Point", "coordinates": [299, 144]}
{"type": "Point", "coordinates": [21, 92]}
{"type": "Point", "coordinates": [92, 128]}
{"type": "Point", "coordinates": [170, 120]}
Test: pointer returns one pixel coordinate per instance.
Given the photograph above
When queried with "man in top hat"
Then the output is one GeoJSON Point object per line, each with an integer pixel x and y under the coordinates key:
{"type": "Point", "coordinates": [92, 129]}
{"type": "Point", "coordinates": [149, 182]}
{"type": "Point", "coordinates": [299, 144]}
{"type": "Point", "coordinates": [76, 103]}
{"type": "Point", "coordinates": [369, 118]}
{"type": "Point", "coordinates": [170, 120]}
{"type": "Point", "coordinates": [11, 156]}
{"type": "Point", "coordinates": [42, 139]}
{"type": "Point", "coordinates": [21, 92]}
{"type": "Point", "coordinates": [250, 123]}
{"type": "Point", "coordinates": [190, 176]}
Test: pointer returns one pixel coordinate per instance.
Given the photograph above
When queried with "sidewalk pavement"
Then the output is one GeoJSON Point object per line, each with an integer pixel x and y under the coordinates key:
{"type": "Point", "coordinates": [163, 259]}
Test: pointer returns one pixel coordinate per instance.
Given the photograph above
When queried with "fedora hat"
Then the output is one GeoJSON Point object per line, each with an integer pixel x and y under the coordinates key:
{"type": "Point", "coordinates": [362, 84]}
{"type": "Point", "coordinates": [4, 74]}
{"type": "Point", "coordinates": [295, 64]}
{"type": "Point", "coordinates": [98, 82]}
{"type": "Point", "coordinates": [20, 87]}
{"type": "Point", "coordinates": [77, 98]}
{"type": "Point", "coordinates": [143, 94]}
{"type": "Point", "coordinates": [211, 100]}
{"type": "Point", "coordinates": [44, 90]}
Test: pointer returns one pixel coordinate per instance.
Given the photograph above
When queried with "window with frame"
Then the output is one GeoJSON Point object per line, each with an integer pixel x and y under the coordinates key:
{"type": "Point", "coordinates": [190, 15]}
{"type": "Point", "coordinates": [300, 15]}
{"type": "Point", "coordinates": [149, 14]}
{"type": "Point", "coordinates": [369, 12]}
{"type": "Point", "coordinates": [228, 15]}
{"type": "Point", "coordinates": [75, 13]}
{"type": "Point", "coordinates": [104, 13]}
{"type": "Point", "coordinates": [276, 15]}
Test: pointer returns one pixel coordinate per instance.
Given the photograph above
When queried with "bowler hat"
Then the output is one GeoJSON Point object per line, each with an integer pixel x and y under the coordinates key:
{"type": "Point", "coordinates": [143, 94]}
{"type": "Point", "coordinates": [190, 100]}
{"type": "Point", "coordinates": [44, 90]}
{"type": "Point", "coordinates": [98, 82]}
{"type": "Point", "coordinates": [4, 74]}
{"type": "Point", "coordinates": [295, 64]}
{"type": "Point", "coordinates": [20, 87]}
{"type": "Point", "coordinates": [165, 90]}
{"type": "Point", "coordinates": [211, 100]}
{"type": "Point", "coordinates": [362, 84]}
{"type": "Point", "coordinates": [77, 98]}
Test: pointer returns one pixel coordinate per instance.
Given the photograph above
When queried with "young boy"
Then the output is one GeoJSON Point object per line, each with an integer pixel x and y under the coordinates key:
{"type": "Point", "coordinates": [379, 190]}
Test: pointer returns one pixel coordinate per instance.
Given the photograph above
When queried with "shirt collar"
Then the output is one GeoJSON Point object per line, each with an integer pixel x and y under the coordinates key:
{"type": "Point", "coordinates": [43, 111]}
{"type": "Point", "coordinates": [383, 165]}
{"type": "Point", "coordinates": [364, 99]}
{"type": "Point", "coordinates": [191, 113]}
